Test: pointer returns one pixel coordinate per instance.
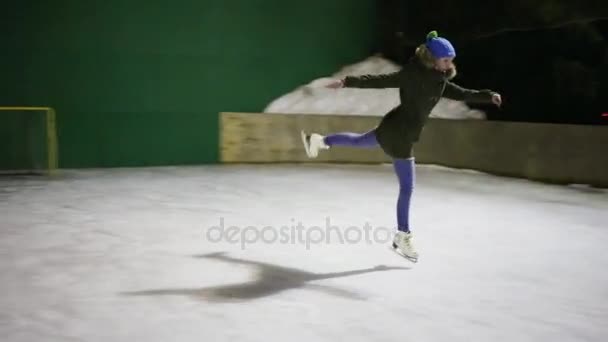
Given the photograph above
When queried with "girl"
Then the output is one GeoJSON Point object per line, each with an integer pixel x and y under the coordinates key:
{"type": "Point", "coordinates": [421, 82]}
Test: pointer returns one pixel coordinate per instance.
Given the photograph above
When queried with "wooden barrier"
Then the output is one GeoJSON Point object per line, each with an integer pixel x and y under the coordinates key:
{"type": "Point", "coordinates": [271, 138]}
{"type": "Point", "coordinates": [544, 152]}
{"type": "Point", "coordinates": [555, 153]}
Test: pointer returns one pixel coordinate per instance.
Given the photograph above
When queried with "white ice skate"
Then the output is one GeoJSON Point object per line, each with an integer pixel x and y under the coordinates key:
{"type": "Point", "coordinates": [402, 245]}
{"type": "Point", "coordinates": [313, 143]}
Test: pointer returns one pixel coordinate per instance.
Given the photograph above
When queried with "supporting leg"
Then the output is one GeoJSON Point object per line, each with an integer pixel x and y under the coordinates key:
{"type": "Point", "coordinates": [405, 170]}
{"type": "Point", "coordinates": [403, 238]}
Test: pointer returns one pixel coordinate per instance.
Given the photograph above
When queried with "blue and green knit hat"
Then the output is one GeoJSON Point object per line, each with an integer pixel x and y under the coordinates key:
{"type": "Point", "coordinates": [439, 47]}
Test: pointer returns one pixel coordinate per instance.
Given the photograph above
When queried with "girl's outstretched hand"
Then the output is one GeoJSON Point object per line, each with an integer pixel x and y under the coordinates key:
{"type": "Point", "coordinates": [335, 84]}
{"type": "Point", "coordinates": [496, 99]}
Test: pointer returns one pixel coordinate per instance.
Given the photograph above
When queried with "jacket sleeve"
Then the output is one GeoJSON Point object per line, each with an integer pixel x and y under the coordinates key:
{"type": "Point", "coordinates": [390, 80]}
{"type": "Point", "coordinates": [456, 92]}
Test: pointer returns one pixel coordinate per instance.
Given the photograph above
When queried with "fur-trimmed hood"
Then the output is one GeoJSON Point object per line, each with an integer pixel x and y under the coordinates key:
{"type": "Point", "coordinates": [425, 58]}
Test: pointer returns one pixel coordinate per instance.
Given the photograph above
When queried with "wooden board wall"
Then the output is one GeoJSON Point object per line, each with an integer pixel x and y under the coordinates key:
{"type": "Point", "coordinates": [545, 152]}
{"type": "Point", "coordinates": [269, 138]}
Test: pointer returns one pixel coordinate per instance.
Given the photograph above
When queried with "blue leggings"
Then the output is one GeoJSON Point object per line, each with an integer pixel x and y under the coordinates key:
{"type": "Point", "coordinates": [404, 168]}
{"type": "Point", "coordinates": [367, 139]}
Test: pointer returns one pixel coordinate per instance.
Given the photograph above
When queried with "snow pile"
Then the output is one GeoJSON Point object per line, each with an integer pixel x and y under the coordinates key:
{"type": "Point", "coordinates": [314, 98]}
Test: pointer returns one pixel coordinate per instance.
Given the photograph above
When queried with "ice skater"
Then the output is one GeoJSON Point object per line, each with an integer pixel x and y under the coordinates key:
{"type": "Point", "coordinates": [421, 82]}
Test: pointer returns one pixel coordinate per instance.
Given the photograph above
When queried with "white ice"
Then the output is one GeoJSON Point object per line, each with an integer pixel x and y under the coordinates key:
{"type": "Point", "coordinates": [314, 98]}
{"type": "Point", "coordinates": [127, 255]}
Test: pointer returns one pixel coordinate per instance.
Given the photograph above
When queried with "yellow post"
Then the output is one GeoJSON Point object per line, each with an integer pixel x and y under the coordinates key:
{"type": "Point", "coordinates": [51, 134]}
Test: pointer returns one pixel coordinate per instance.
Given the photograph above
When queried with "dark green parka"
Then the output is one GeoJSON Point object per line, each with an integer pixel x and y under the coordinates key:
{"type": "Point", "coordinates": [420, 88]}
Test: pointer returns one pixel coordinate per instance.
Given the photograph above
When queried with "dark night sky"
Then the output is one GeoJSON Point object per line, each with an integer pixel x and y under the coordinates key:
{"type": "Point", "coordinates": [549, 59]}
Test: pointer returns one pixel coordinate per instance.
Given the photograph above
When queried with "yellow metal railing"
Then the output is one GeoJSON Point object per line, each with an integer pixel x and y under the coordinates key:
{"type": "Point", "coordinates": [51, 134]}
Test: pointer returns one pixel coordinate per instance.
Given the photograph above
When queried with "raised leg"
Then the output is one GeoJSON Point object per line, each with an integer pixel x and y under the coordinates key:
{"type": "Point", "coordinates": [367, 139]}
{"type": "Point", "coordinates": [315, 142]}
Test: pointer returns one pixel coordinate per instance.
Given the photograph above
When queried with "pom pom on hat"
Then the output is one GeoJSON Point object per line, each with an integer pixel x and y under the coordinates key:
{"type": "Point", "coordinates": [439, 46]}
{"type": "Point", "coordinates": [431, 35]}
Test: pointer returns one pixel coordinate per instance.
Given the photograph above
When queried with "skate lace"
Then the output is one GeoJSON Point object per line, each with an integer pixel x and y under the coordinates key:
{"type": "Point", "coordinates": [406, 241]}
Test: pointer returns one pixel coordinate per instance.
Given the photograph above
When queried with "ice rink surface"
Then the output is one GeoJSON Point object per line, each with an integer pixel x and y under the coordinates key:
{"type": "Point", "coordinates": [140, 255]}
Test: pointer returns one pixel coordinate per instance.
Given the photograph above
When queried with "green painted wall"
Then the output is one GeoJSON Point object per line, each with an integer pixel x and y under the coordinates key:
{"type": "Point", "coordinates": [141, 82]}
{"type": "Point", "coordinates": [23, 141]}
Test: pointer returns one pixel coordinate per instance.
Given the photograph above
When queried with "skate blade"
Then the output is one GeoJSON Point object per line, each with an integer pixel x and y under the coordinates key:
{"type": "Point", "coordinates": [397, 251]}
{"type": "Point", "coordinates": [305, 142]}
